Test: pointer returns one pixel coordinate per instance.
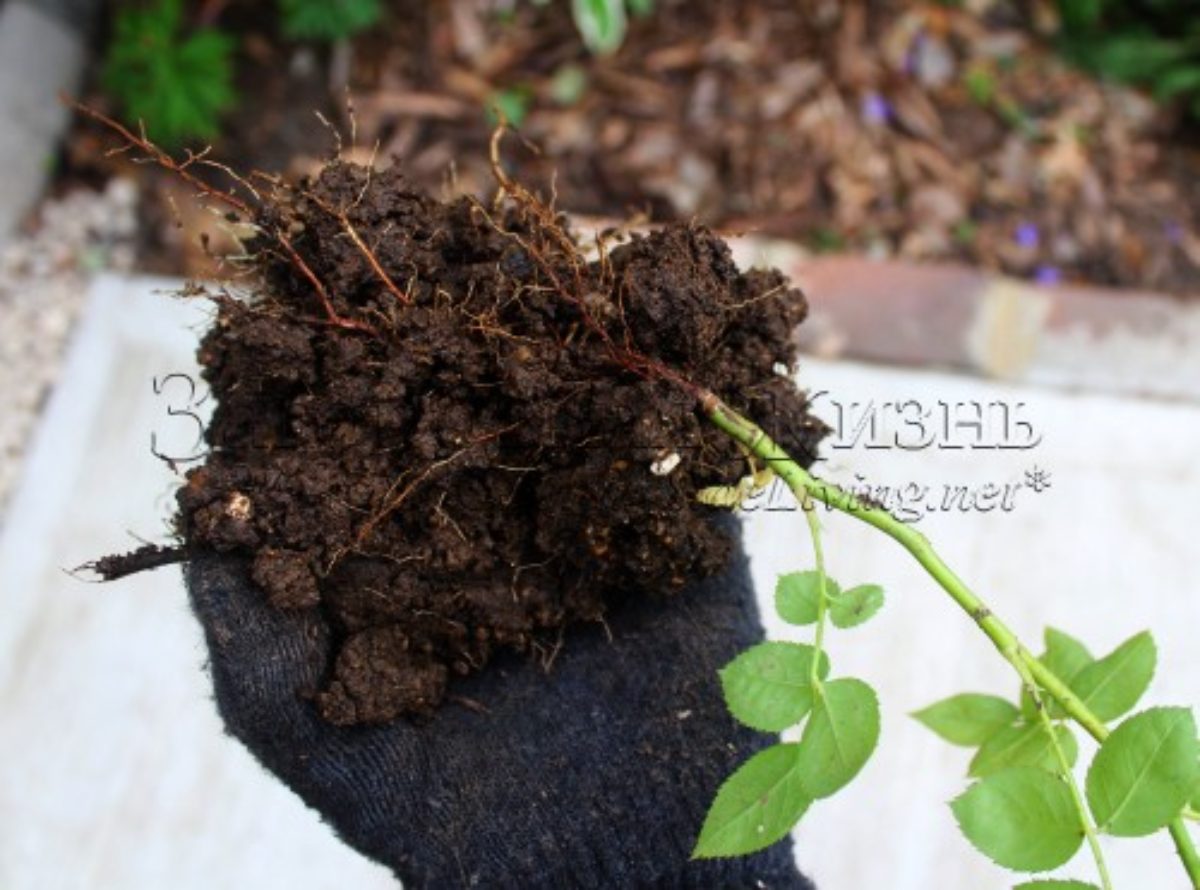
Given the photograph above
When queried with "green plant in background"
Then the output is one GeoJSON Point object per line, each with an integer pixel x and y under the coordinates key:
{"type": "Point", "coordinates": [1025, 810]}
{"type": "Point", "coordinates": [824, 239]}
{"type": "Point", "coordinates": [602, 23]}
{"type": "Point", "coordinates": [568, 84]}
{"type": "Point", "coordinates": [965, 231]}
{"type": "Point", "coordinates": [510, 106]}
{"type": "Point", "coordinates": [175, 81]}
{"type": "Point", "coordinates": [328, 20]}
{"type": "Point", "coordinates": [1151, 43]}
{"type": "Point", "coordinates": [980, 84]}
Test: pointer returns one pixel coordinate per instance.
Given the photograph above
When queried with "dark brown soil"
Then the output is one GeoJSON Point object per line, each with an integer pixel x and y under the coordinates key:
{"type": "Point", "coordinates": [465, 451]}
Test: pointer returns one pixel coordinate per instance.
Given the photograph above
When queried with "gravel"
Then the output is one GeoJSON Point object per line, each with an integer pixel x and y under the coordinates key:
{"type": "Point", "coordinates": [44, 277]}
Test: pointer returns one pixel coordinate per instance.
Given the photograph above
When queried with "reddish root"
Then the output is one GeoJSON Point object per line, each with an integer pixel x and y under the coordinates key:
{"type": "Point", "coordinates": [372, 260]}
{"type": "Point", "coordinates": [322, 292]}
{"type": "Point", "coordinates": [166, 161]}
{"type": "Point", "coordinates": [181, 168]}
{"type": "Point", "coordinates": [544, 216]}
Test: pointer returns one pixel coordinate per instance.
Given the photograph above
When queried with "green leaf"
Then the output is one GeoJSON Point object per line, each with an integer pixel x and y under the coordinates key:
{"type": "Point", "coordinates": [797, 595]}
{"type": "Point", "coordinates": [177, 83]}
{"type": "Point", "coordinates": [969, 718]}
{"type": "Point", "coordinates": [1080, 14]}
{"type": "Point", "coordinates": [1055, 885]}
{"type": "Point", "coordinates": [1112, 686]}
{"type": "Point", "coordinates": [768, 687]}
{"type": "Point", "coordinates": [1181, 80]}
{"type": "Point", "coordinates": [1022, 818]}
{"type": "Point", "coordinates": [1144, 772]}
{"type": "Point", "coordinates": [1026, 744]}
{"type": "Point", "coordinates": [756, 806]}
{"type": "Point", "coordinates": [601, 23]}
{"type": "Point", "coordinates": [640, 8]}
{"type": "Point", "coordinates": [1065, 656]}
{"type": "Point", "coordinates": [839, 736]}
{"type": "Point", "coordinates": [1137, 57]}
{"type": "Point", "coordinates": [981, 85]}
{"type": "Point", "coordinates": [856, 605]}
{"type": "Point", "coordinates": [327, 19]}
{"type": "Point", "coordinates": [568, 84]}
{"type": "Point", "coordinates": [511, 106]}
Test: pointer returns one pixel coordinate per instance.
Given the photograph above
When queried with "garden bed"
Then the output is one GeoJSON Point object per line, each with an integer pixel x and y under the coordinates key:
{"type": "Point", "coordinates": [890, 129]}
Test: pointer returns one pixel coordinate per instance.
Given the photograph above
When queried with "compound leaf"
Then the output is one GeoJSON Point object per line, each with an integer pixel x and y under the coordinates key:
{"type": "Point", "coordinates": [328, 19]}
{"type": "Point", "coordinates": [173, 80]}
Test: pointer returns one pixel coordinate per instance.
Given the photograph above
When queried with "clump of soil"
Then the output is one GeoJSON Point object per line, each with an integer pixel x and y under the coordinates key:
{"type": "Point", "coordinates": [450, 432]}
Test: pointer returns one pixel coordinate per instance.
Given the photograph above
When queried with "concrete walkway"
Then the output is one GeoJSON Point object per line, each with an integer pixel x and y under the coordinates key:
{"type": "Point", "coordinates": [115, 771]}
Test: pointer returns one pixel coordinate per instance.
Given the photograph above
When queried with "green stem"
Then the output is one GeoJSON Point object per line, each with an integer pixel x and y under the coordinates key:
{"type": "Point", "coordinates": [814, 528]}
{"type": "Point", "coordinates": [1186, 849]}
{"type": "Point", "coordinates": [1068, 775]}
{"type": "Point", "coordinates": [805, 486]}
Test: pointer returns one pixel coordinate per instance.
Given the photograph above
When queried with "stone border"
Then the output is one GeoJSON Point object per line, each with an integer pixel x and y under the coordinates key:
{"type": "Point", "coordinates": [43, 48]}
{"type": "Point", "coordinates": [953, 316]}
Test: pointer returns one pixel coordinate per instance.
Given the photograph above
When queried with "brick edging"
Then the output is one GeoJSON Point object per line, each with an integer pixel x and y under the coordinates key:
{"type": "Point", "coordinates": [956, 316]}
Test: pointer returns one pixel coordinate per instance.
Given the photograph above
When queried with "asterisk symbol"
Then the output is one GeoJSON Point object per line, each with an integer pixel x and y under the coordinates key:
{"type": "Point", "coordinates": [1037, 479]}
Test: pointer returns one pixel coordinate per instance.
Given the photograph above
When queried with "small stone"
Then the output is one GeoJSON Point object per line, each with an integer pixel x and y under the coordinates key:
{"type": "Point", "coordinates": [664, 465]}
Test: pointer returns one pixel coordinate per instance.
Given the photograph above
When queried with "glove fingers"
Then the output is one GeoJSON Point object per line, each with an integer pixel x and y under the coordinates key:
{"type": "Point", "coordinates": [262, 659]}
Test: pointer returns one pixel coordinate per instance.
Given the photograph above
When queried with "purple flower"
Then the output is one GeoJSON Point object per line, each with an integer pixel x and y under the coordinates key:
{"type": "Point", "coordinates": [875, 109]}
{"type": "Point", "coordinates": [1048, 276]}
{"type": "Point", "coordinates": [913, 55]}
{"type": "Point", "coordinates": [1027, 235]}
{"type": "Point", "coordinates": [1174, 232]}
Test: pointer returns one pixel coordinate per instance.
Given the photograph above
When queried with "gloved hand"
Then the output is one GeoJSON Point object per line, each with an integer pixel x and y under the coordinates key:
{"type": "Point", "coordinates": [596, 774]}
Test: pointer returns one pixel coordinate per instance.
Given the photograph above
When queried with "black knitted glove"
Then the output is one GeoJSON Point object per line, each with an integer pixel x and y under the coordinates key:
{"type": "Point", "coordinates": [597, 774]}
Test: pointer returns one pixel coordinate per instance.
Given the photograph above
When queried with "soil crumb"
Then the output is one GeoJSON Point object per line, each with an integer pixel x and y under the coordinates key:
{"type": "Point", "coordinates": [451, 429]}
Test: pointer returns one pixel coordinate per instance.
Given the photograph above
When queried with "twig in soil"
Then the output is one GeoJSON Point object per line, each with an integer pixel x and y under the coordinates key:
{"type": "Point", "coordinates": [122, 565]}
{"type": "Point", "coordinates": [516, 576]}
{"type": "Point", "coordinates": [558, 645]}
{"type": "Point", "coordinates": [391, 504]}
{"type": "Point", "coordinates": [469, 703]}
